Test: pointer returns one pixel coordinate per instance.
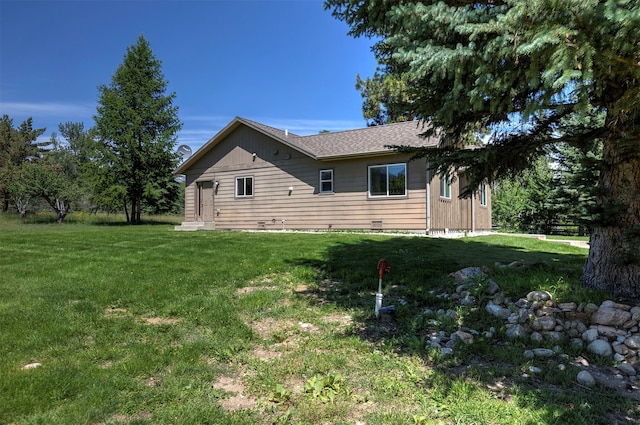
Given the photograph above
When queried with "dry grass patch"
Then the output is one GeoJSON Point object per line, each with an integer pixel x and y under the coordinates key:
{"type": "Point", "coordinates": [161, 321]}
{"type": "Point", "coordinates": [234, 386]}
{"type": "Point", "coordinates": [115, 312]}
{"type": "Point", "coordinates": [249, 289]}
{"type": "Point", "coordinates": [265, 354]}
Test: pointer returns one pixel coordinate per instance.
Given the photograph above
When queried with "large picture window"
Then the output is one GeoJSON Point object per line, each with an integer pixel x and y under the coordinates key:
{"type": "Point", "coordinates": [244, 187]}
{"type": "Point", "coordinates": [445, 186]}
{"type": "Point", "coordinates": [388, 180]}
{"type": "Point", "coordinates": [326, 181]}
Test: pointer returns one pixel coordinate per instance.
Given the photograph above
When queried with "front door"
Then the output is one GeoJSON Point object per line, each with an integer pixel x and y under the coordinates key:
{"type": "Point", "coordinates": [205, 201]}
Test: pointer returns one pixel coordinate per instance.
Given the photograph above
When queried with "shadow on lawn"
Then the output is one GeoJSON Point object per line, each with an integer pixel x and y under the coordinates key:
{"type": "Point", "coordinates": [419, 272]}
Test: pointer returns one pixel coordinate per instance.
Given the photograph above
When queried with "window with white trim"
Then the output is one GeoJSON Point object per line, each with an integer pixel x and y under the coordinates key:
{"type": "Point", "coordinates": [326, 181]}
{"type": "Point", "coordinates": [482, 193]}
{"type": "Point", "coordinates": [387, 180]}
{"type": "Point", "coordinates": [445, 186]}
{"type": "Point", "coordinates": [244, 187]}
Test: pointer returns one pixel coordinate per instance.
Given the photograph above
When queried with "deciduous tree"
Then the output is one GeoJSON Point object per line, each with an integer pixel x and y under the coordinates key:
{"type": "Point", "coordinates": [523, 70]}
{"type": "Point", "coordinates": [17, 145]}
{"type": "Point", "coordinates": [136, 126]}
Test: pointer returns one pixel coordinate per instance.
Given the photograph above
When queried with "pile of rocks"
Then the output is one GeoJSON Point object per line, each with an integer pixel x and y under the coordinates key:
{"type": "Point", "coordinates": [610, 330]}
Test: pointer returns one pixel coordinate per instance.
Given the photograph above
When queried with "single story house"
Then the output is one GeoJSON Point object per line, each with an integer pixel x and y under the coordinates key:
{"type": "Point", "coordinates": [251, 176]}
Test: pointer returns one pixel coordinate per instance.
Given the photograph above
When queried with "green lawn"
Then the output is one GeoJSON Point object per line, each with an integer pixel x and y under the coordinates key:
{"type": "Point", "coordinates": [145, 325]}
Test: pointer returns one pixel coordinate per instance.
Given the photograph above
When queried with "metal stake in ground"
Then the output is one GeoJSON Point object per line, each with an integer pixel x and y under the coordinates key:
{"type": "Point", "coordinates": [383, 268]}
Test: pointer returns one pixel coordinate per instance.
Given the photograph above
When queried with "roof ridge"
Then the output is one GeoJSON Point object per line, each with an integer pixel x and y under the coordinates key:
{"type": "Point", "coordinates": [262, 125]}
{"type": "Point", "coordinates": [371, 127]}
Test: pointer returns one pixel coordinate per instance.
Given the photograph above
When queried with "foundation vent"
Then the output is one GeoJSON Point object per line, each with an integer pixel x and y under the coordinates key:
{"type": "Point", "coordinates": [261, 225]}
{"type": "Point", "coordinates": [376, 224]}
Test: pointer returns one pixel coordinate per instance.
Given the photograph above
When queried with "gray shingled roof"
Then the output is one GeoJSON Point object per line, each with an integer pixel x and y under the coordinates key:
{"type": "Point", "coordinates": [339, 144]}
{"type": "Point", "coordinates": [362, 141]}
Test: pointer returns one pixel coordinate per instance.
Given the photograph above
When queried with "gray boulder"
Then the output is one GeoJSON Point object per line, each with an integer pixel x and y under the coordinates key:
{"type": "Point", "coordinates": [600, 347]}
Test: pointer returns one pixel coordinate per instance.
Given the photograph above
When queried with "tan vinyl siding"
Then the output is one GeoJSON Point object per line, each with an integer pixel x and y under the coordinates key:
{"type": "Point", "coordinates": [305, 208]}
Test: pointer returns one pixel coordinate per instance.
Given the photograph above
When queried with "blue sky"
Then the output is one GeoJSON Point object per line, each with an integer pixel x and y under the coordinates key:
{"type": "Point", "coordinates": [285, 63]}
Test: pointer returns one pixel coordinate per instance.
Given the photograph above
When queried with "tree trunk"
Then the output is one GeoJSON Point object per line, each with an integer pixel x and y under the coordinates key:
{"type": "Point", "coordinates": [126, 212]}
{"type": "Point", "coordinates": [614, 255]}
{"type": "Point", "coordinates": [62, 209]}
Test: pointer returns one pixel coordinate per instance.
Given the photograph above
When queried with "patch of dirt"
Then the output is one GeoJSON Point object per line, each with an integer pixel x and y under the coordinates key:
{"type": "Point", "coordinates": [161, 321]}
{"type": "Point", "coordinates": [339, 320]}
{"type": "Point", "coordinates": [249, 289]}
{"type": "Point", "coordinates": [151, 382]}
{"type": "Point", "coordinates": [301, 289]}
{"type": "Point", "coordinates": [120, 418]}
{"type": "Point", "coordinates": [266, 355]}
{"type": "Point", "coordinates": [233, 385]}
{"type": "Point", "coordinates": [266, 328]}
{"type": "Point", "coordinates": [115, 312]}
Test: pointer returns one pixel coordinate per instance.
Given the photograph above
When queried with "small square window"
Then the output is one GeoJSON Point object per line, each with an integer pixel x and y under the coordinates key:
{"type": "Point", "coordinates": [326, 181]}
{"type": "Point", "coordinates": [244, 187]}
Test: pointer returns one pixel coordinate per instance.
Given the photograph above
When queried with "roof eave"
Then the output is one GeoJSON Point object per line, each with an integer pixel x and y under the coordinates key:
{"type": "Point", "coordinates": [284, 141]}
{"type": "Point", "coordinates": [224, 132]}
{"type": "Point", "coordinates": [207, 146]}
{"type": "Point", "coordinates": [356, 155]}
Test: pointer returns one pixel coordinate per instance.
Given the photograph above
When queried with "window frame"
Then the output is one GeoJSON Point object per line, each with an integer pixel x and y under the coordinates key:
{"type": "Point", "coordinates": [482, 194]}
{"type": "Point", "coordinates": [445, 186]}
{"type": "Point", "coordinates": [321, 181]}
{"type": "Point", "coordinates": [387, 181]}
{"type": "Point", "coordinates": [244, 179]}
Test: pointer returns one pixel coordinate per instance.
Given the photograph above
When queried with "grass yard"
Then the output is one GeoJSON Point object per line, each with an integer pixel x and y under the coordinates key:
{"type": "Point", "coordinates": [111, 324]}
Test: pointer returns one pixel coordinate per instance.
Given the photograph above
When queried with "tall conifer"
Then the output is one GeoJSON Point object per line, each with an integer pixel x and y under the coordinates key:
{"type": "Point", "coordinates": [136, 126]}
{"type": "Point", "coordinates": [523, 70]}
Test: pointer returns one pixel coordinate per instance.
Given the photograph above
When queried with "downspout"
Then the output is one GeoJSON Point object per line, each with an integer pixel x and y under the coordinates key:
{"type": "Point", "coordinates": [473, 212]}
{"type": "Point", "coordinates": [197, 193]}
{"type": "Point", "coordinates": [213, 198]}
{"type": "Point", "coordinates": [428, 200]}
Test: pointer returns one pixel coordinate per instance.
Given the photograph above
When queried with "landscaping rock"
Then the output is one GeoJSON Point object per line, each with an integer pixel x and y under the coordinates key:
{"type": "Point", "coordinates": [535, 369]}
{"type": "Point", "coordinates": [543, 352]}
{"type": "Point", "coordinates": [590, 335]}
{"type": "Point", "coordinates": [537, 337]}
{"type": "Point", "coordinates": [492, 288]}
{"type": "Point", "coordinates": [516, 331]}
{"type": "Point", "coordinates": [446, 351]}
{"type": "Point", "coordinates": [544, 323]}
{"type": "Point", "coordinates": [498, 311]}
{"type": "Point", "coordinates": [600, 347]}
{"type": "Point", "coordinates": [626, 369]}
{"type": "Point", "coordinates": [633, 342]}
{"type": "Point", "coordinates": [468, 300]}
{"type": "Point", "coordinates": [609, 316]}
{"type": "Point", "coordinates": [538, 296]}
{"type": "Point", "coordinates": [586, 379]}
{"type": "Point", "coordinates": [576, 343]}
{"type": "Point", "coordinates": [469, 273]}
{"type": "Point", "coordinates": [465, 337]}
{"type": "Point", "coordinates": [590, 308]}
{"type": "Point", "coordinates": [610, 330]}
{"type": "Point", "coordinates": [31, 366]}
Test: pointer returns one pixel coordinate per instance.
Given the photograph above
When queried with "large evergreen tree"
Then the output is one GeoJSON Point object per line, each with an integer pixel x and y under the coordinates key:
{"type": "Point", "coordinates": [136, 126]}
{"type": "Point", "coordinates": [525, 70]}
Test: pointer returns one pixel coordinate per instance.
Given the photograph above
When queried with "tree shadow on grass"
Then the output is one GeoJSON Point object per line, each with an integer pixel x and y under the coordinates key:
{"type": "Point", "coordinates": [420, 269]}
